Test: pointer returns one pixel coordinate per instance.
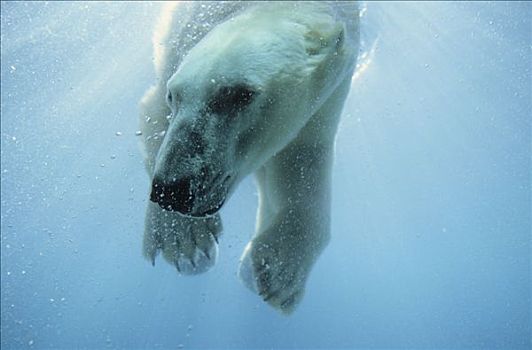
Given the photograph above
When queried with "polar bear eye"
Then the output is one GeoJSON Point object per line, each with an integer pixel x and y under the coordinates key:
{"type": "Point", "coordinates": [172, 99]}
{"type": "Point", "coordinates": [231, 99]}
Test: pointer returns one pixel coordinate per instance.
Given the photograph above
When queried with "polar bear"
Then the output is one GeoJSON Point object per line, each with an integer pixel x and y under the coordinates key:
{"type": "Point", "coordinates": [246, 87]}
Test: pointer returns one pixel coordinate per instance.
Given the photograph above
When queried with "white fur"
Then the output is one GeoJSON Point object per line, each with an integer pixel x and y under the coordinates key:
{"type": "Point", "coordinates": [299, 58]}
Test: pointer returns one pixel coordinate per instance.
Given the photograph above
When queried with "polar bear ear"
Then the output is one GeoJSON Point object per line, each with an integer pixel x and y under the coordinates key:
{"type": "Point", "coordinates": [324, 42]}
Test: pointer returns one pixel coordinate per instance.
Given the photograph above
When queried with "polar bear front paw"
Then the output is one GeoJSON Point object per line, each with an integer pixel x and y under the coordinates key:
{"type": "Point", "coordinates": [190, 244]}
{"type": "Point", "coordinates": [276, 271]}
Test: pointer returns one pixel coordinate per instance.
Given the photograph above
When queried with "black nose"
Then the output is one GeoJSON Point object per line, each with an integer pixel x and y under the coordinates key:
{"type": "Point", "coordinates": [175, 197]}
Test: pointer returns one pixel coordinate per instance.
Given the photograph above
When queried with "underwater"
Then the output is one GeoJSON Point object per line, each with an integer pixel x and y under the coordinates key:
{"type": "Point", "coordinates": [431, 191]}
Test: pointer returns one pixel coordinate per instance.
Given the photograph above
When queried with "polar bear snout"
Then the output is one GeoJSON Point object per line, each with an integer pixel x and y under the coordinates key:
{"type": "Point", "coordinates": [183, 197]}
{"type": "Point", "coordinates": [174, 197]}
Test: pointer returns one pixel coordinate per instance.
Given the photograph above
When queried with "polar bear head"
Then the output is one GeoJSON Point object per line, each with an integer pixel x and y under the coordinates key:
{"type": "Point", "coordinates": [239, 96]}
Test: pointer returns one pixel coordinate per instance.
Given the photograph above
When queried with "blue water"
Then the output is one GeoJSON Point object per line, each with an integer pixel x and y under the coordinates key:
{"type": "Point", "coordinates": [431, 201]}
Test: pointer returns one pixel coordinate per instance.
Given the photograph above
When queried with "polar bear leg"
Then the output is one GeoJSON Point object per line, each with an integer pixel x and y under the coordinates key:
{"type": "Point", "coordinates": [188, 243]}
{"type": "Point", "coordinates": [293, 225]}
{"type": "Point", "coordinates": [277, 261]}
{"type": "Point", "coordinates": [153, 124]}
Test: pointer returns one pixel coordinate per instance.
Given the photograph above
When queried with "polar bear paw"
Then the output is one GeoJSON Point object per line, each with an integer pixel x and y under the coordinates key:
{"type": "Point", "coordinates": [190, 244]}
{"type": "Point", "coordinates": [276, 272]}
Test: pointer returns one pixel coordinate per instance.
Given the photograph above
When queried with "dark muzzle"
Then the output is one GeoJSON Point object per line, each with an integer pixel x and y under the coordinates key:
{"type": "Point", "coordinates": [174, 197]}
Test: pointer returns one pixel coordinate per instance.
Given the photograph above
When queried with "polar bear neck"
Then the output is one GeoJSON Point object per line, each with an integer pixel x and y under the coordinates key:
{"type": "Point", "coordinates": [175, 35]}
